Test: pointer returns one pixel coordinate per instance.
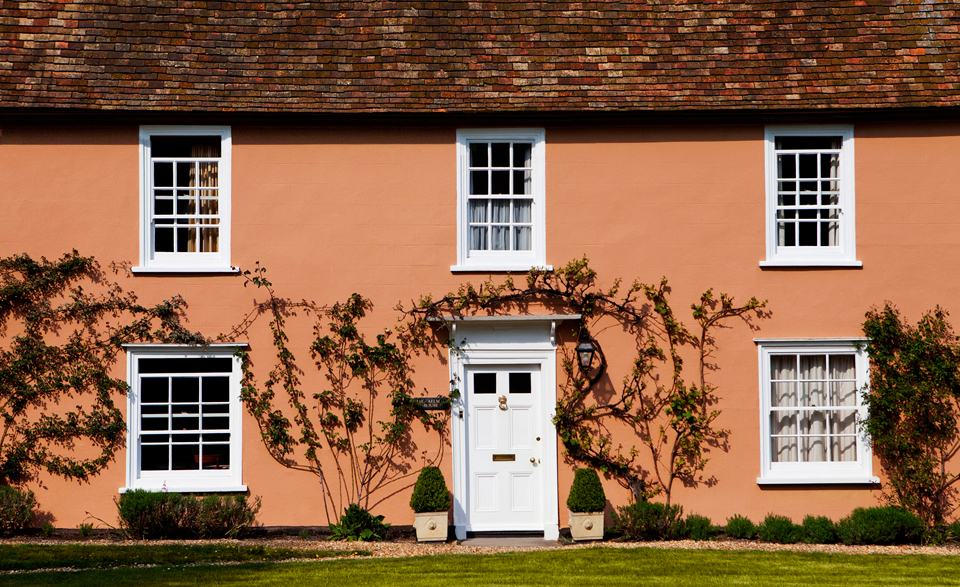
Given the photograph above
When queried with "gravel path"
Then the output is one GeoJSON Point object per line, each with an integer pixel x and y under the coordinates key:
{"type": "Point", "coordinates": [406, 548]}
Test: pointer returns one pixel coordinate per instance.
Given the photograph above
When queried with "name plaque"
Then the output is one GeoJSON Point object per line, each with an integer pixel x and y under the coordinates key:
{"type": "Point", "coordinates": [433, 403]}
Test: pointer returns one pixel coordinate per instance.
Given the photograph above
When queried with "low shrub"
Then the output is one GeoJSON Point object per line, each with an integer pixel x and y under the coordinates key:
{"type": "Point", "coordinates": [953, 531]}
{"type": "Point", "coordinates": [85, 529]}
{"type": "Point", "coordinates": [48, 530]}
{"type": "Point", "coordinates": [779, 529]}
{"type": "Point", "coordinates": [647, 520]}
{"type": "Point", "coordinates": [586, 493]}
{"type": "Point", "coordinates": [357, 523]}
{"type": "Point", "coordinates": [818, 530]}
{"type": "Point", "coordinates": [880, 525]}
{"type": "Point", "coordinates": [697, 527]}
{"type": "Point", "coordinates": [16, 508]}
{"type": "Point", "coordinates": [151, 515]}
{"type": "Point", "coordinates": [430, 493]}
{"type": "Point", "coordinates": [740, 527]}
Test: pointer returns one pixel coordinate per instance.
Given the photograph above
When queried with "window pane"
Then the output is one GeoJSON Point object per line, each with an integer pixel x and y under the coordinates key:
{"type": "Point", "coordinates": [209, 240]}
{"type": "Point", "coordinates": [522, 184]}
{"type": "Point", "coordinates": [186, 456]}
{"type": "Point", "coordinates": [154, 390]}
{"type": "Point", "coordinates": [162, 174]}
{"type": "Point", "coordinates": [523, 240]}
{"type": "Point", "coordinates": [216, 423]}
{"type": "Point", "coordinates": [478, 183]}
{"type": "Point", "coordinates": [184, 174]}
{"type": "Point", "coordinates": [500, 238]}
{"type": "Point", "coordinates": [522, 210]}
{"type": "Point", "coordinates": [501, 211]}
{"type": "Point", "coordinates": [478, 238]}
{"type": "Point", "coordinates": [484, 383]}
{"type": "Point", "coordinates": [164, 206]}
{"type": "Point", "coordinates": [216, 389]}
{"type": "Point", "coordinates": [478, 154]}
{"type": "Point", "coordinates": [500, 154]}
{"type": "Point", "coordinates": [499, 182]}
{"type": "Point", "coordinates": [185, 146]}
{"type": "Point", "coordinates": [186, 389]}
{"type": "Point", "coordinates": [186, 365]}
{"type": "Point", "coordinates": [154, 457]}
{"type": "Point", "coordinates": [208, 174]}
{"type": "Point", "coordinates": [216, 456]}
{"type": "Point", "coordinates": [520, 383]}
{"type": "Point", "coordinates": [808, 142]}
{"type": "Point", "coordinates": [522, 154]}
{"type": "Point", "coordinates": [163, 239]}
{"type": "Point", "coordinates": [154, 423]}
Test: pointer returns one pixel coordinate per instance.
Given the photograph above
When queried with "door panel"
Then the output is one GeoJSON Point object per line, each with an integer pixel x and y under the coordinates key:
{"type": "Point", "coordinates": [503, 460]}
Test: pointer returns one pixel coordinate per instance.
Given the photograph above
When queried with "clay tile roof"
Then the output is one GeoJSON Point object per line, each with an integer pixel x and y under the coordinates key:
{"type": "Point", "coordinates": [478, 56]}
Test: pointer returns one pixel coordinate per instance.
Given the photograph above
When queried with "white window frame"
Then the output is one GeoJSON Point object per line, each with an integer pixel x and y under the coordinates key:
{"type": "Point", "coordinates": [152, 261]}
{"type": "Point", "coordinates": [844, 253]}
{"type": "Point", "coordinates": [468, 260]}
{"type": "Point", "coordinates": [193, 481]}
{"type": "Point", "coordinates": [779, 473]}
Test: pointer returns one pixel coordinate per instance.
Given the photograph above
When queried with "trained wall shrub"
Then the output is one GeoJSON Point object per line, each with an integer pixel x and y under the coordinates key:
{"type": "Point", "coordinates": [16, 508]}
{"type": "Point", "coordinates": [740, 527]}
{"type": "Point", "coordinates": [818, 530]}
{"type": "Point", "coordinates": [880, 525]}
{"type": "Point", "coordinates": [430, 492]}
{"type": "Point", "coordinates": [779, 529]}
{"type": "Point", "coordinates": [697, 527]}
{"type": "Point", "coordinates": [645, 520]}
{"type": "Point", "coordinates": [586, 493]}
{"type": "Point", "coordinates": [154, 515]}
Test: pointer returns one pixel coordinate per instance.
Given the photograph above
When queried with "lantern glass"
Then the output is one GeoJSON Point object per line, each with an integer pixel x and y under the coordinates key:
{"type": "Point", "coordinates": [585, 352]}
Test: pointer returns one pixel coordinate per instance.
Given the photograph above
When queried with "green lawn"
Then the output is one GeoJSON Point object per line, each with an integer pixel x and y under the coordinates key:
{"type": "Point", "coordinates": [91, 556]}
{"type": "Point", "coordinates": [556, 568]}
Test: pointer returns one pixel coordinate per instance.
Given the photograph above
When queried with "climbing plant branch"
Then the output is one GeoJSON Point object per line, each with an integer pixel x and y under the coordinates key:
{"type": "Point", "coordinates": [673, 416]}
{"type": "Point", "coordinates": [352, 429]}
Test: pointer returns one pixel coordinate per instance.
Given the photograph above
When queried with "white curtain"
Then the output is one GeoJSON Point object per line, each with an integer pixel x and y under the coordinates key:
{"type": "Point", "coordinates": [843, 422]}
{"type": "Point", "coordinates": [478, 234]}
{"type": "Point", "coordinates": [813, 394]}
{"type": "Point", "coordinates": [783, 423]}
{"type": "Point", "coordinates": [209, 232]}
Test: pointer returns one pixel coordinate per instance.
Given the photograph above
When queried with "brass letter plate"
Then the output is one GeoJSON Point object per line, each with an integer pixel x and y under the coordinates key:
{"type": "Point", "coordinates": [499, 458]}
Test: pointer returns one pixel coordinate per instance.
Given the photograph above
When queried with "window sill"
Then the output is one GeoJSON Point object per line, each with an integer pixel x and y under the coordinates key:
{"type": "Point", "coordinates": [191, 488]}
{"type": "Point", "coordinates": [497, 268]}
{"type": "Point", "coordinates": [810, 263]}
{"type": "Point", "coordinates": [812, 480]}
{"type": "Point", "coordinates": [185, 270]}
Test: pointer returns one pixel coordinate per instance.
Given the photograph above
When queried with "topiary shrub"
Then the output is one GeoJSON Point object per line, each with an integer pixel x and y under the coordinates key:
{"type": "Point", "coordinates": [16, 508]}
{"type": "Point", "coordinates": [779, 529]}
{"type": "Point", "coordinates": [740, 527]}
{"type": "Point", "coordinates": [586, 493]}
{"type": "Point", "coordinates": [357, 523]}
{"type": "Point", "coordinates": [699, 527]}
{"type": "Point", "coordinates": [880, 525]}
{"type": "Point", "coordinates": [430, 492]}
{"type": "Point", "coordinates": [147, 515]}
{"type": "Point", "coordinates": [818, 530]}
{"type": "Point", "coordinates": [646, 520]}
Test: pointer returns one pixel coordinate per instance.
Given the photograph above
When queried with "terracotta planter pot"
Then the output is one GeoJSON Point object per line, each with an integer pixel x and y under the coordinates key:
{"type": "Point", "coordinates": [586, 525]}
{"type": "Point", "coordinates": [430, 526]}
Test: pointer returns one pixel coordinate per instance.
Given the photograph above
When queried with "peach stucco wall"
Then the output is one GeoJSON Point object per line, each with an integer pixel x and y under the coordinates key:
{"type": "Point", "coordinates": [335, 210]}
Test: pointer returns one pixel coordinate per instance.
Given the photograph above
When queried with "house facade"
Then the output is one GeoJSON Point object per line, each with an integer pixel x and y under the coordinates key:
{"type": "Point", "coordinates": [803, 153]}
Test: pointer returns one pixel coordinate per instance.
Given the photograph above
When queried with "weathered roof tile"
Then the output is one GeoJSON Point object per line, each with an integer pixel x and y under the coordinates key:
{"type": "Point", "coordinates": [476, 56]}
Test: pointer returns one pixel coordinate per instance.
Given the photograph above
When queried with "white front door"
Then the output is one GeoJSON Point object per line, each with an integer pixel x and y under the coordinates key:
{"type": "Point", "coordinates": [504, 473]}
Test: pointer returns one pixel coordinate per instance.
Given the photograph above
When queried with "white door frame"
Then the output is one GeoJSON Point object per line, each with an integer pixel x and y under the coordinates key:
{"type": "Point", "coordinates": [507, 340]}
